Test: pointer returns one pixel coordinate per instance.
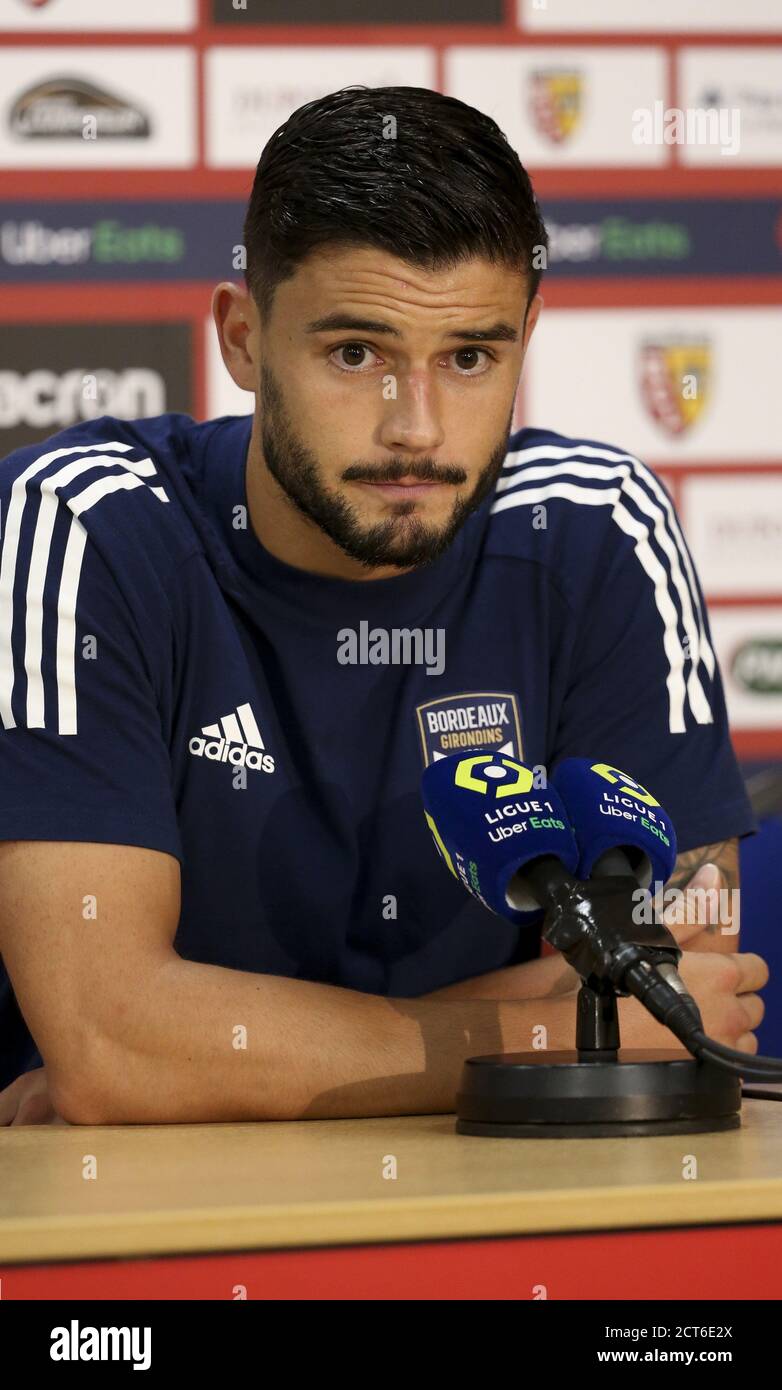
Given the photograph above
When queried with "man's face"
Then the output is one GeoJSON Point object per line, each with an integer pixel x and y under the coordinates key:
{"type": "Point", "coordinates": [383, 417]}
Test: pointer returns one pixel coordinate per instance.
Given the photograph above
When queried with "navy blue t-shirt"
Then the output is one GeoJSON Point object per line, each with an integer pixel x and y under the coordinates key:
{"type": "Point", "coordinates": [166, 682]}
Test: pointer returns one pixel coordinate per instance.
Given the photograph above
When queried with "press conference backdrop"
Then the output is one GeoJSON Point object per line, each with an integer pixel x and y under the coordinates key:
{"type": "Point", "coordinates": [653, 132]}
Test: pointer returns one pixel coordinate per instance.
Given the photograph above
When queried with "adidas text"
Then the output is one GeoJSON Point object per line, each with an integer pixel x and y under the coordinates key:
{"type": "Point", "coordinates": [218, 750]}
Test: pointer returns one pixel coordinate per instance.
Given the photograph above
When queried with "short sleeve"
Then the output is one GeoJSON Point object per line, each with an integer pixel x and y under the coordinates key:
{"type": "Point", "coordinates": [644, 690]}
{"type": "Point", "coordinates": [82, 749]}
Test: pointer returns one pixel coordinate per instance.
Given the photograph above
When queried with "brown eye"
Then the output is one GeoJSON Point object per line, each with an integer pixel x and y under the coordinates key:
{"type": "Point", "coordinates": [353, 353]}
{"type": "Point", "coordinates": [465, 368]}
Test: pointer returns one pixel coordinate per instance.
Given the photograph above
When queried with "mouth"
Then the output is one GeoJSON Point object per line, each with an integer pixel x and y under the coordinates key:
{"type": "Point", "coordinates": [406, 489]}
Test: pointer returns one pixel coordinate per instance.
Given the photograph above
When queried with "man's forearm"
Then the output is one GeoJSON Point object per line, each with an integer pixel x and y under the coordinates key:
{"type": "Point", "coordinates": [206, 1043]}
{"type": "Point", "coordinates": [542, 978]}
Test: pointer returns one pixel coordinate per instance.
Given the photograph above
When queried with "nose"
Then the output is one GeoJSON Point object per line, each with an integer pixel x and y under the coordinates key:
{"type": "Point", "coordinates": [411, 421]}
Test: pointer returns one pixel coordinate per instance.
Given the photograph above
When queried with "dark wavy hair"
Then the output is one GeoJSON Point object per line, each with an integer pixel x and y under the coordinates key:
{"type": "Point", "coordinates": [447, 188]}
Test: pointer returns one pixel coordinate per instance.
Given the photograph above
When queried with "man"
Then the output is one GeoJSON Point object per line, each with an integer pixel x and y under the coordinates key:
{"type": "Point", "coordinates": [227, 651]}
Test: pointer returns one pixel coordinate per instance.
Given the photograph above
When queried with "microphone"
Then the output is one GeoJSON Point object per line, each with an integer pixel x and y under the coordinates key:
{"type": "Point", "coordinates": [515, 849]}
{"type": "Point", "coordinates": [490, 824]}
{"type": "Point", "coordinates": [623, 832]}
{"type": "Point", "coordinates": [620, 827]}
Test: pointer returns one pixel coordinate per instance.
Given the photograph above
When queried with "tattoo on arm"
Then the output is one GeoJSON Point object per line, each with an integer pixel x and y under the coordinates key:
{"type": "Point", "coordinates": [725, 854]}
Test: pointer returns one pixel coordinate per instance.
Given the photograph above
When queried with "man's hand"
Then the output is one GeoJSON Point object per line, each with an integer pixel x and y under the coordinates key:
{"type": "Point", "coordinates": [722, 982]}
{"type": "Point", "coordinates": [27, 1102]}
{"type": "Point", "coordinates": [725, 989]}
{"type": "Point", "coordinates": [725, 992]}
{"type": "Point", "coordinates": [701, 876]}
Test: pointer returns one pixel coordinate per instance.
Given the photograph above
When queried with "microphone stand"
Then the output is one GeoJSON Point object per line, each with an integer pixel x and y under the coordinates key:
{"type": "Point", "coordinates": [599, 1089]}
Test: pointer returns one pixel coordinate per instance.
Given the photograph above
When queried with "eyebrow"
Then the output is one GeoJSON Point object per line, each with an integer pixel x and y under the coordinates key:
{"type": "Point", "coordinates": [496, 332]}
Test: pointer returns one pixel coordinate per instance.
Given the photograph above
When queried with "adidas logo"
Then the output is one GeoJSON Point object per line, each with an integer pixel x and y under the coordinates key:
{"type": "Point", "coordinates": [235, 739]}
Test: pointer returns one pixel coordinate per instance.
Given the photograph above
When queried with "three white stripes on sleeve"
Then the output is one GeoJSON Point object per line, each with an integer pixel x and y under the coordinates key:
{"type": "Point", "coordinates": [547, 465]}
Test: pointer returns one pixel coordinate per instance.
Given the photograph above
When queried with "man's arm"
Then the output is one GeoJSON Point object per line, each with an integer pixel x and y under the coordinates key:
{"type": "Point", "coordinates": [131, 1033]}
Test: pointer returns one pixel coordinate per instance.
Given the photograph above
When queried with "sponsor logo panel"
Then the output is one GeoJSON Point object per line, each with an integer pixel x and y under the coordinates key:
{"type": "Point", "coordinates": [614, 394]}
{"type": "Point", "coordinates": [748, 643]}
{"type": "Point", "coordinates": [664, 237]}
{"type": "Point", "coordinates": [194, 239]}
{"type": "Point", "coordinates": [51, 16]}
{"type": "Point", "coordinates": [747, 80]}
{"type": "Point", "coordinates": [97, 108]}
{"type": "Point", "coordinates": [733, 526]}
{"type": "Point", "coordinates": [250, 91]}
{"type": "Point", "coordinates": [650, 16]}
{"type": "Point", "coordinates": [119, 240]}
{"type": "Point", "coordinates": [366, 12]}
{"type": "Point", "coordinates": [563, 106]}
{"type": "Point", "coordinates": [54, 374]}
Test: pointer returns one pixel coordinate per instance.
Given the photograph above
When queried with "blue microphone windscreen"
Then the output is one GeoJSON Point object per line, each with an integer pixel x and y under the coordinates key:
{"type": "Point", "coordinates": [488, 820]}
{"type": "Point", "coordinates": [609, 809]}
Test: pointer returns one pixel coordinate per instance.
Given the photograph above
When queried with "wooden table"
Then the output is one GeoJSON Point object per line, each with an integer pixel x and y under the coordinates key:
{"type": "Point", "coordinates": [304, 1210]}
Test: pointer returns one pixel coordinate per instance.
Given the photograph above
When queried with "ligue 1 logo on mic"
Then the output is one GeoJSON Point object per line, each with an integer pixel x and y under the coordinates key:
{"type": "Point", "coordinates": [629, 785]}
{"type": "Point", "coordinates": [498, 777]}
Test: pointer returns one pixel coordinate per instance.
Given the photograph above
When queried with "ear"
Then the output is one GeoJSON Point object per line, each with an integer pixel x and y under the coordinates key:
{"type": "Point", "coordinates": [238, 330]}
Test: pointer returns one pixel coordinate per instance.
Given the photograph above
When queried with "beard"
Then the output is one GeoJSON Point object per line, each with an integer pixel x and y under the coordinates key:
{"type": "Point", "coordinates": [400, 540]}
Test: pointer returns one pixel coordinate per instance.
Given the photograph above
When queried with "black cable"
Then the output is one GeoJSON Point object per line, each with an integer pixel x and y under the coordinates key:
{"type": "Point", "coordinates": [741, 1063]}
{"type": "Point", "coordinates": [756, 1093]}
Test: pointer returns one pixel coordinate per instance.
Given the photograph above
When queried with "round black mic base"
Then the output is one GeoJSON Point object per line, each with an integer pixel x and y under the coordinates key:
{"type": "Point", "coordinates": [555, 1095]}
